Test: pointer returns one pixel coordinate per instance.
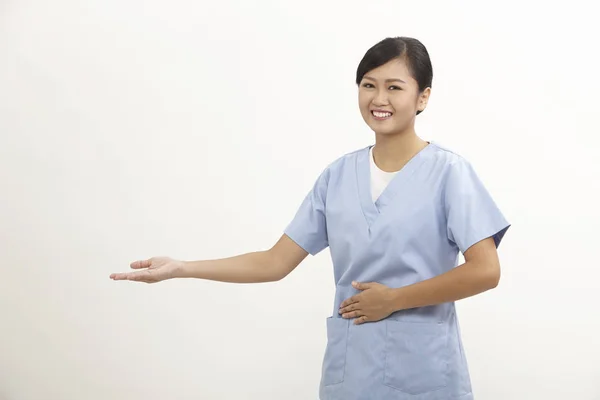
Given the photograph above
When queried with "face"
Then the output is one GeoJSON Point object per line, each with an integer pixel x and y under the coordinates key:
{"type": "Point", "coordinates": [389, 98]}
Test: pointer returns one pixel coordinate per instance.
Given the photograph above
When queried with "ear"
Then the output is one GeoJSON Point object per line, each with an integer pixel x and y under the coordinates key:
{"type": "Point", "coordinates": [423, 99]}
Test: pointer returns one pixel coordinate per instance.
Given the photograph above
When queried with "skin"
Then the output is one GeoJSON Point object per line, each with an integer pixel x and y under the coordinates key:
{"type": "Point", "coordinates": [396, 142]}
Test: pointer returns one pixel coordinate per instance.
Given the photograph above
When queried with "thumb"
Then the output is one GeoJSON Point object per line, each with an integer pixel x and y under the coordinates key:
{"type": "Point", "coordinates": [361, 285]}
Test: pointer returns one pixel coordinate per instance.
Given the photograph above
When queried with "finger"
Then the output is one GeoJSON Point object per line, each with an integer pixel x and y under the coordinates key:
{"type": "Point", "coordinates": [352, 314]}
{"type": "Point", "coordinates": [351, 300]}
{"type": "Point", "coordinates": [141, 264]}
{"type": "Point", "coordinates": [361, 285]}
{"type": "Point", "coordinates": [361, 320]}
{"type": "Point", "coordinates": [119, 276]}
{"type": "Point", "coordinates": [131, 276]}
{"type": "Point", "coordinates": [349, 308]}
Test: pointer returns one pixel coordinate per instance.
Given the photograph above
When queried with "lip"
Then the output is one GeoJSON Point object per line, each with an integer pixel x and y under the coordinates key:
{"type": "Point", "coordinates": [383, 111]}
{"type": "Point", "coordinates": [380, 110]}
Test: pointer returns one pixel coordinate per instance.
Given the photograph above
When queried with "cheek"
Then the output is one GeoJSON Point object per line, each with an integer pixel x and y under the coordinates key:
{"type": "Point", "coordinates": [363, 101]}
{"type": "Point", "coordinates": [402, 106]}
{"type": "Point", "coordinates": [363, 104]}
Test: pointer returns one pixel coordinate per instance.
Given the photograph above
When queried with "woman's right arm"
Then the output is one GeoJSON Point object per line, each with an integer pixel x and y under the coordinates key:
{"type": "Point", "coordinates": [261, 266]}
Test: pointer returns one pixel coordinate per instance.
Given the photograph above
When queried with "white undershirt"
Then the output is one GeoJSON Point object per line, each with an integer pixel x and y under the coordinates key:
{"type": "Point", "coordinates": [379, 179]}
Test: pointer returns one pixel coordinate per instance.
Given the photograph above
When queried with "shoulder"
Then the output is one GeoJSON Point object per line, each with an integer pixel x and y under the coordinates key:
{"type": "Point", "coordinates": [345, 160]}
{"type": "Point", "coordinates": [350, 157]}
{"type": "Point", "coordinates": [451, 165]}
{"type": "Point", "coordinates": [447, 156]}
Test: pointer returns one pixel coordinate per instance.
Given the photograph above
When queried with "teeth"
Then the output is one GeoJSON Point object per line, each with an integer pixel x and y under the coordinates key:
{"type": "Point", "coordinates": [381, 114]}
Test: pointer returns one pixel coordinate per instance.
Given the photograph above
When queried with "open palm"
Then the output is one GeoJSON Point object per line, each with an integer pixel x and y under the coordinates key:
{"type": "Point", "coordinates": [153, 270]}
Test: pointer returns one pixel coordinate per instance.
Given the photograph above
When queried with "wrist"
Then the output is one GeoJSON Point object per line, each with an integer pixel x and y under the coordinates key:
{"type": "Point", "coordinates": [182, 270]}
{"type": "Point", "coordinates": [396, 299]}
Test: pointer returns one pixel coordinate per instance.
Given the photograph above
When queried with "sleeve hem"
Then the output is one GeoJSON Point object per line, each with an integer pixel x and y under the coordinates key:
{"type": "Point", "coordinates": [497, 234]}
{"type": "Point", "coordinates": [311, 248]}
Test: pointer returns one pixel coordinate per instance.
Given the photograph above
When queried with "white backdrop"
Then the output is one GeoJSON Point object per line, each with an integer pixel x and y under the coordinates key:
{"type": "Point", "coordinates": [194, 130]}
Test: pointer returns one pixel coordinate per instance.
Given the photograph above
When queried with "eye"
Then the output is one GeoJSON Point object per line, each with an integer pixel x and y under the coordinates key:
{"type": "Point", "coordinates": [368, 85]}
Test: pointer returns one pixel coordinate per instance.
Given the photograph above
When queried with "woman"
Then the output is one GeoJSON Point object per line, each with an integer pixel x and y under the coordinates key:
{"type": "Point", "coordinates": [394, 215]}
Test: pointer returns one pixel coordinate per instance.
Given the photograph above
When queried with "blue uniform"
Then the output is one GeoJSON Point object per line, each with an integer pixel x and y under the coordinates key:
{"type": "Point", "coordinates": [434, 207]}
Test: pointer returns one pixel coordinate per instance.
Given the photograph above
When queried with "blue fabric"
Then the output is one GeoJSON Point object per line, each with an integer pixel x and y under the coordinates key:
{"type": "Point", "coordinates": [434, 208]}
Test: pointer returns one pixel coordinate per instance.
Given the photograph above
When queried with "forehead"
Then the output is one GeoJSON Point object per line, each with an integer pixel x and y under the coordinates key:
{"type": "Point", "coordinates": [394, 69]}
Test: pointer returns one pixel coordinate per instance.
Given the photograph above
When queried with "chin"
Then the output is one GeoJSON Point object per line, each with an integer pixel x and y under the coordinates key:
{"type": "Point", "coordinates": [385, 131]}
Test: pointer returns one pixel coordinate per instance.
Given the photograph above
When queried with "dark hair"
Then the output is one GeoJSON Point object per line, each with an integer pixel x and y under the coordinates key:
{"type": "Point", "coordinates": [410, 50]}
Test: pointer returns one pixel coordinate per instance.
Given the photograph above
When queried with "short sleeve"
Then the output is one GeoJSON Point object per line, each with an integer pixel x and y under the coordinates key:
{"type": "Point", "coordinates": [471, 213]}
{"type": "Point", "coordinates": [308, 228]}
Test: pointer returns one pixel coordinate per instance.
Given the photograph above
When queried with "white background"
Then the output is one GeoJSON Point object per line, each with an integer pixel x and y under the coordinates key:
{"type": "Point", "coordinates": [194, 130]}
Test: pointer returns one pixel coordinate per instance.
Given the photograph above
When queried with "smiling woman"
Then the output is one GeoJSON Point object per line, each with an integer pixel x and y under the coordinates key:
{"type": "Point", "coordinates": [394, 79]}
{"type": "Point", "coordinates": [395, 216]}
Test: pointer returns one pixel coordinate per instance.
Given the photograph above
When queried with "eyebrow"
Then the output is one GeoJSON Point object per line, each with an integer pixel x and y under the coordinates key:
{"type": "Point", "coordinates": [387, 80]}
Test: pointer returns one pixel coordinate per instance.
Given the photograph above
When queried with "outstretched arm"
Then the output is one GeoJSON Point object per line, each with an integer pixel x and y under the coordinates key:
{"type": "Point", "coordinates": [260, 266]}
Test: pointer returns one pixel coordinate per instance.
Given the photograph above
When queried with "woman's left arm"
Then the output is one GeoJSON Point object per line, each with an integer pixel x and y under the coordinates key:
{"type": "Point", "coordinates": [479, 273]}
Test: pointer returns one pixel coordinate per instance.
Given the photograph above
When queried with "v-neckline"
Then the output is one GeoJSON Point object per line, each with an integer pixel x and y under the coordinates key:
{"type": "Point", "coordinates": [373, 209]}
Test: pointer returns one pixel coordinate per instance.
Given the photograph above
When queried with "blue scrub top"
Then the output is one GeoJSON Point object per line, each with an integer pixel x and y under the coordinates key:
{"type": "Point", "coordinates": [434, 207]}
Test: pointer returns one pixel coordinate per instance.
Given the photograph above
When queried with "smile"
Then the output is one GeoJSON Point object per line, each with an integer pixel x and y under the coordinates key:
{"type": "Point", "coordinates": [381, 115]}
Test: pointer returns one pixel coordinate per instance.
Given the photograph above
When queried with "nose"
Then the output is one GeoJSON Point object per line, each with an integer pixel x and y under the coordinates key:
{"type": "Point", "coordinates": [380, 98]}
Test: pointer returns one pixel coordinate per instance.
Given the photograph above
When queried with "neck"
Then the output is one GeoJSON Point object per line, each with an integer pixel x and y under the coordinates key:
{"type": "Point", "coordinates": [392, 152]}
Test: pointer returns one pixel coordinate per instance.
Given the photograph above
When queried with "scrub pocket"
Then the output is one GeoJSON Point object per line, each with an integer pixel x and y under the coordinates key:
{"type": "Point", "coordinates": [334, 362]}
{"type": "Point", "coordinates": [416, 356]}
